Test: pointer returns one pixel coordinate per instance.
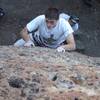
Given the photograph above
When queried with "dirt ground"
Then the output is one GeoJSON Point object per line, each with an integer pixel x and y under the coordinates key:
{"type": "Point", "coordinates": [19, 12]}
{"type": "Point", "coordinates": [44, 74]}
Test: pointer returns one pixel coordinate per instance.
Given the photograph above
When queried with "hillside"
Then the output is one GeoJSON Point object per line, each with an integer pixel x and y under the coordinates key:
{"type": "Point", "coordinates": [44, 74]}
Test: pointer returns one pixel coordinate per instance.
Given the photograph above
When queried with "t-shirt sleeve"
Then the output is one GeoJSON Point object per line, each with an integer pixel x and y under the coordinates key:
{"type": "Point", "coordinates": [34, 24]}
{"type": "Point", "coordinates": [64, 16]}
{"type": "Point", "coordinates": [67, 28]}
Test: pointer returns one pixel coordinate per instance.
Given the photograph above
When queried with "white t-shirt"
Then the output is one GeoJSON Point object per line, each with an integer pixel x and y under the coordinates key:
{"type": "Point", "coordinates": [64, 16]}
{"type": "Point", "coordinates": [75, 26]}
{"type": "Point", "coordinates": [49, 37]}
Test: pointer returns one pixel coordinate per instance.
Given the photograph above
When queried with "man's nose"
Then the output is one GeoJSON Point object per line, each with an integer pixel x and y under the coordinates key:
{"type": "Point", "coordinates": [49, 25]}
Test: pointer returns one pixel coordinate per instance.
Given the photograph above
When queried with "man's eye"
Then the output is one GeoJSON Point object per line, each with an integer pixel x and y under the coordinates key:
{"type": "Point", "coordinates": [47, 21]}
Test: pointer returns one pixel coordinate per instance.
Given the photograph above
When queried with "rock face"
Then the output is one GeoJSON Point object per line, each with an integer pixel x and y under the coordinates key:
{"type": "Point", "coordinates": [44, 74]}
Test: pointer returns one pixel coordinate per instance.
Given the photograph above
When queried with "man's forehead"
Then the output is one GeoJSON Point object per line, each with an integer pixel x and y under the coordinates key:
{"type": "Point", "coordinates": [51, 19]}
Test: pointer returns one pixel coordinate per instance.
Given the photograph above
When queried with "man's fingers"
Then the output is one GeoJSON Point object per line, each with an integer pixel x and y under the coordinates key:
{"type": "Point", "coordinates": [29, 44]}
{"type": "Point", "coordinates": [60, 49]}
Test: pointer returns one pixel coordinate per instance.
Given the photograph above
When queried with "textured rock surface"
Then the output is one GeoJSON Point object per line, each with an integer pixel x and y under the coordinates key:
{"type": "Point", "coordinates": [43, 74]}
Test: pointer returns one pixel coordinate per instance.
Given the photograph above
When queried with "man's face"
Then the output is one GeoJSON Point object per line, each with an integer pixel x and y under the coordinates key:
{"type": "Point", "coordinates": [51, 23]}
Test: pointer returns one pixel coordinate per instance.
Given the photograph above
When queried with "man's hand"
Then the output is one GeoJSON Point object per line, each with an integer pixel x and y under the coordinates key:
{"type": "Point", "coordinates": [29, 44]}
{"type": "Point", "coordinates": [60, 49]}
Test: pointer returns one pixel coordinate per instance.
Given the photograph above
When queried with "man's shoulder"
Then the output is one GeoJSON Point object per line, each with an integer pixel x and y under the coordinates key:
{"type": "Point", "coordinates": [65, 24]}
{"type": "Point", "coordinates": [63, 21]}
{"type": "Point", "coordinates": [64, 16]}
{"type": "Point", "coordinates": [40, 17]}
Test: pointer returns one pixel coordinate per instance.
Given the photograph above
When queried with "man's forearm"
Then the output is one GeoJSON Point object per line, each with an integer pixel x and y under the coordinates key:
{"type": "Point", "coordinates": [24, 34]}
{"type": "Point", "coordinates": [69, 47]}
{"type": "Point", "coordinates": [70, 43]}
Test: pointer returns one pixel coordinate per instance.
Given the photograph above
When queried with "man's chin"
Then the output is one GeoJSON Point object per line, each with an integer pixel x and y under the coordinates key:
{"type": "Point", "coordinates": [50, 27]}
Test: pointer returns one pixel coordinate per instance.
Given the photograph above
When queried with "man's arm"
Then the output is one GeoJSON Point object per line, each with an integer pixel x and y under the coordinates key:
{"type": "Point", "coordinates": [24, 34]}
{"type": "Point", "coordinates": [31, 26]}
{"type": "Point", "coordinates": [69, 46]}
{"type": "Point", "coordinates": [26, 38]}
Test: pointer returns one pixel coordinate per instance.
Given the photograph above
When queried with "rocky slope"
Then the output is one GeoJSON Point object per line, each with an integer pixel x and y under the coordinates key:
{"type": "Point", "coordinates": [44, 74]}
